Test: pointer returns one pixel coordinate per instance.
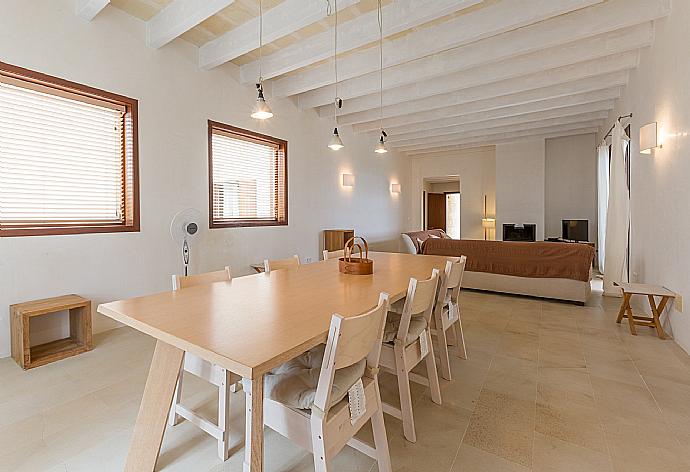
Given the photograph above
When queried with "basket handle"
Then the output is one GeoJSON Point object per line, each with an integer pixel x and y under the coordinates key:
{"type": "Point", "coordinates": [350, 246]}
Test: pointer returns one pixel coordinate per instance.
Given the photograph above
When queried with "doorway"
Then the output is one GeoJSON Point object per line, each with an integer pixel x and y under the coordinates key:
{"type": "Point", "coordinates": [453, 214]}
{"type": "Point", "coordinates": [441, 205]}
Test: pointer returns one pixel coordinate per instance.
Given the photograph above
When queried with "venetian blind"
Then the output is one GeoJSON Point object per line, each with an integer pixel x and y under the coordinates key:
{"type": "Point", "coordinates": [248, 180]}
{"type": "Point", "coordinates": [61, 159]}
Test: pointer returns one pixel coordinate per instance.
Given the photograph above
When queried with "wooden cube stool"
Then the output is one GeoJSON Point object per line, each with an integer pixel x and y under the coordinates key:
{"type": "Point", "coordinates": [650, 291]}
{"type": "Point", "coordinates": [79, 339]}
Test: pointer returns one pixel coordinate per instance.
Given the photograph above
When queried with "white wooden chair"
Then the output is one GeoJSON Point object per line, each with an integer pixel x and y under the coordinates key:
{"type": "Point", "coordinates": [306, 399]}
{"type": "Point", "coordinates": [277, 264]}
{"type": "Point", "coordinates": [333, 254]}
{"type": "Point", "coordinates": [446, 318]}
{"type": "Point", "coordinates": [407, 342]}
{"type": "Point", "coordinates": [217, 375]}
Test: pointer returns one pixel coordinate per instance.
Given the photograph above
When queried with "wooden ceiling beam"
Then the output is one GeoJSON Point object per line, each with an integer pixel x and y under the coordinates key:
{"type": "Point", "coordinates": [595, 110]}
{"type": "Point", "coordinates": [464, 29]}
{"type": "Point", "coordinates": [398, 17]}
{"type": "Point", "coordinates": [494, 138]}
{"type": "Point", "coordinates": [494, 128]}
{"type": "Point", "coordinates": [481, 63]}
{"type": "Point", "coordinates": [280, 21]}
{"type": "Point", "coordinates": [88, 9]}
{"type": "Point", "coordinates": [484, 110]}
{"type": "Point", "coordinates": [444, 92]}
{"type": "Point", "coordinates": [445, 151]}
{"type": "Point", "coordinates": [178, 17]}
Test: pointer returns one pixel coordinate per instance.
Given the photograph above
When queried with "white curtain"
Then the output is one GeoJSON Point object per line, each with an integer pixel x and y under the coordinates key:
{"type": "Point", "coordinates": [617, 216]}
{"type": "Point", "coordinates": [603, 199]}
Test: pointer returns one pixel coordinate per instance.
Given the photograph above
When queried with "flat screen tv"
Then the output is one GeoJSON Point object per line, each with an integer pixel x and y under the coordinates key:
{"type": "Point", "coordinates": [575, 230]}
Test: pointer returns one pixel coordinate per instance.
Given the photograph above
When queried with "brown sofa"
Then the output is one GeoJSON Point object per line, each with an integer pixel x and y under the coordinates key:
{"type": "Point", "coordinates": [542, 269]}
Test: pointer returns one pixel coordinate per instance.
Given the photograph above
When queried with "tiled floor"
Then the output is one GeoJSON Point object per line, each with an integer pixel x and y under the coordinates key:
{"type": "Point", "coordinates": [547, 387]}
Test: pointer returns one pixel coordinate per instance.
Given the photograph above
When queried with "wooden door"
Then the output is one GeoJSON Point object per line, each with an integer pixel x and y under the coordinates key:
{"type": "Point", "coordinates": [436, 211]}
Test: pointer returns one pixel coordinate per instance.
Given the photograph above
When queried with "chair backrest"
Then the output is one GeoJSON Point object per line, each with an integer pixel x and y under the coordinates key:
{"type": "Point", "coordinates": [421, 296]}
{"type": "Point", "coordinates": [333, 254]}
{"type": "Point", "coordinates": [185, 281]}
{"type": "Point", "coordinates": [449, 288]}
{"type": "Point", "coordinates": [277, 264]}
{"type": "Point", "coordinates": [349, 341]}
{"type": "Point", "coordinates": [454, 277]}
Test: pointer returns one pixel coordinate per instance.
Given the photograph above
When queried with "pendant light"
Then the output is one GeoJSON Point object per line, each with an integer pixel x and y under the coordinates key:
{"type": "Point", "coordinates": [261, 110]}
{"type": "Point", "coordinates": [381, 145]}
{"type": "Point", "coordinates": [335, 143]}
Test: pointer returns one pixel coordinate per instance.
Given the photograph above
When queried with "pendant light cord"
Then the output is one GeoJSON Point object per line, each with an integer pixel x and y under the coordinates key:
{"type": "Point", "coordinates": [380, 19]}
{"type": "Point", "coordinates": [333, 10]}
{"type": "Point", "coordinates": [261, 43]}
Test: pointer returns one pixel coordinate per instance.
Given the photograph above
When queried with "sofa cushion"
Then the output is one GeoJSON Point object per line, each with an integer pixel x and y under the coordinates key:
{"type": "Point", "coordinates": [419, 237]}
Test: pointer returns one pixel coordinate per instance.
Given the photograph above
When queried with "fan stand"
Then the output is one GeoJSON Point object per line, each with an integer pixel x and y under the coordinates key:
{"type": "Point", "coordinates": [185, 255]}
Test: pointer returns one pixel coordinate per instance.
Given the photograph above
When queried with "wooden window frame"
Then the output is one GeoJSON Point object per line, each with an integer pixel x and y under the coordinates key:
{"type": "Point", "coordinates": [251, 136]}
{"type": "Point", "coordinates": [130, 153]}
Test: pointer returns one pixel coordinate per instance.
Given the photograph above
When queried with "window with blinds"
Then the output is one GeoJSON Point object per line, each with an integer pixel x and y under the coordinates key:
{"type": "Point", "coordinates": [247, 178]}
{"type": "Point", "coordinates": [68, 157]}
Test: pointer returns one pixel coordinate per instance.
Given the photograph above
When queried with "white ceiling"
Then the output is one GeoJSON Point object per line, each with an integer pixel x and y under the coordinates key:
{"type": "Point", "coordinates": [457, 73]}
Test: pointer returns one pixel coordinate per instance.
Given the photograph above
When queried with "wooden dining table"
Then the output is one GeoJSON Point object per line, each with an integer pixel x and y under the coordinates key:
{"type": "Point", "coordinates": [249, 325]}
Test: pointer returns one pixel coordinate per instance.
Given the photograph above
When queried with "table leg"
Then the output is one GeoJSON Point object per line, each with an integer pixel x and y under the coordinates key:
{"type": "Point", "coordinates": [155, 405]}
{"type": "Point", "coordinates": [254, 433]}
{"type": "Point", "coordinates": [656, 313]}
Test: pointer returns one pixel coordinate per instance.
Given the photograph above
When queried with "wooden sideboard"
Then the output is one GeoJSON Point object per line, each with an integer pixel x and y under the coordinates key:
{"type": "Point", "coordinates": [335, 239]}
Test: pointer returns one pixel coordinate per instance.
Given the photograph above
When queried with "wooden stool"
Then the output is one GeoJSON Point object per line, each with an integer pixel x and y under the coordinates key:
{"type": "Point", "coordinates": [650, 291]}
{"type": "Point", "coordinates": [79, 339]}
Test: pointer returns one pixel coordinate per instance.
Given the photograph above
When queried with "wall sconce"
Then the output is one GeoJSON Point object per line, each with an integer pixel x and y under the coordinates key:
{"type": "Point", "coordinates": [649, 138]}
{"type": "Point", "coordinates": [395, 188]}
{"type": "Point", "coordinates": [348, 180]}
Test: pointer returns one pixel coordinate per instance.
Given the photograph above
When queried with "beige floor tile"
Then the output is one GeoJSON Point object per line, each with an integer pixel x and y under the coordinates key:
{"type": "Point", "coordinates": [621, 400]}
{"type": "Point", "coordinates": [513, 376]}
{"type": "Point", "coordinates": [471, 459]}
{"type": "Point", "coordinates": [573, 423]}
{"type": "Point", "coordinates": [644, 446]}
{"type": "Point", "coordinates": [554, 455]}
{"type": "Point", "coordinates": [620, 371]}
{"type": "Point", "coordinates": [439, 431]}
{"type": "Point", "coordinates": [504, 426]}
{"type": "Point", "coordinates": [558, 396]}
{"type": "Point", "coordinates": [519, 345]}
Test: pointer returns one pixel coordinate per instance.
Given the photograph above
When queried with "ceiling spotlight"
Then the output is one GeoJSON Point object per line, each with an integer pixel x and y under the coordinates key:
{"type": "Point", "coordinates": [336, 143]}
{"type": "Point", "coordinates": [261, 109]}
{"type": "Point", "coordinates": [381, 145]}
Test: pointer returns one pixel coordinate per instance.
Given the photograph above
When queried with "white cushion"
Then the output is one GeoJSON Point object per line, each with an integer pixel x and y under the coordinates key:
{"type": "Point", "coordinates": [417, 327]}
{"type": "Point", "coordinates": [398, 306]}
{"type": "Point", "coordinates": [294, 383]}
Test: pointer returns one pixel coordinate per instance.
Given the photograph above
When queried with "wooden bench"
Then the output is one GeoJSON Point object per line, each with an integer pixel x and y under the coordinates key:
{"type": "Point", "coordinates": [79, 339]}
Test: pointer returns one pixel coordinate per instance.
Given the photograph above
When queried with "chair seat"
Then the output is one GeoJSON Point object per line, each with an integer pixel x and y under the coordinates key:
{"type": "Point", "coordinates": [294, 383]}
{"type": "Point", "coordinates": [417, 327]}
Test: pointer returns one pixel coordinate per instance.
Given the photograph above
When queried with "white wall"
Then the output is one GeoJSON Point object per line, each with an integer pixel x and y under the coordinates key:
{"type": "Point", "coordinates": [444, 187]}
{"type": "Point", "coordinates": [175, 100]}
{"type": "Point", "coordinates": [477, 171]}
{"type": "Point", "coordinates": [660, 194]}
{"type": "Point", "coordinates": [520, 185]}
{"type": "Point", "coordinates": [570, 184]}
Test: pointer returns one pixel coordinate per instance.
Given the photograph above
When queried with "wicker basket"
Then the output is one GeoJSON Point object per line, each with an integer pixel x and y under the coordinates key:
{"type": "Point", "coordinates": [361, 265]}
